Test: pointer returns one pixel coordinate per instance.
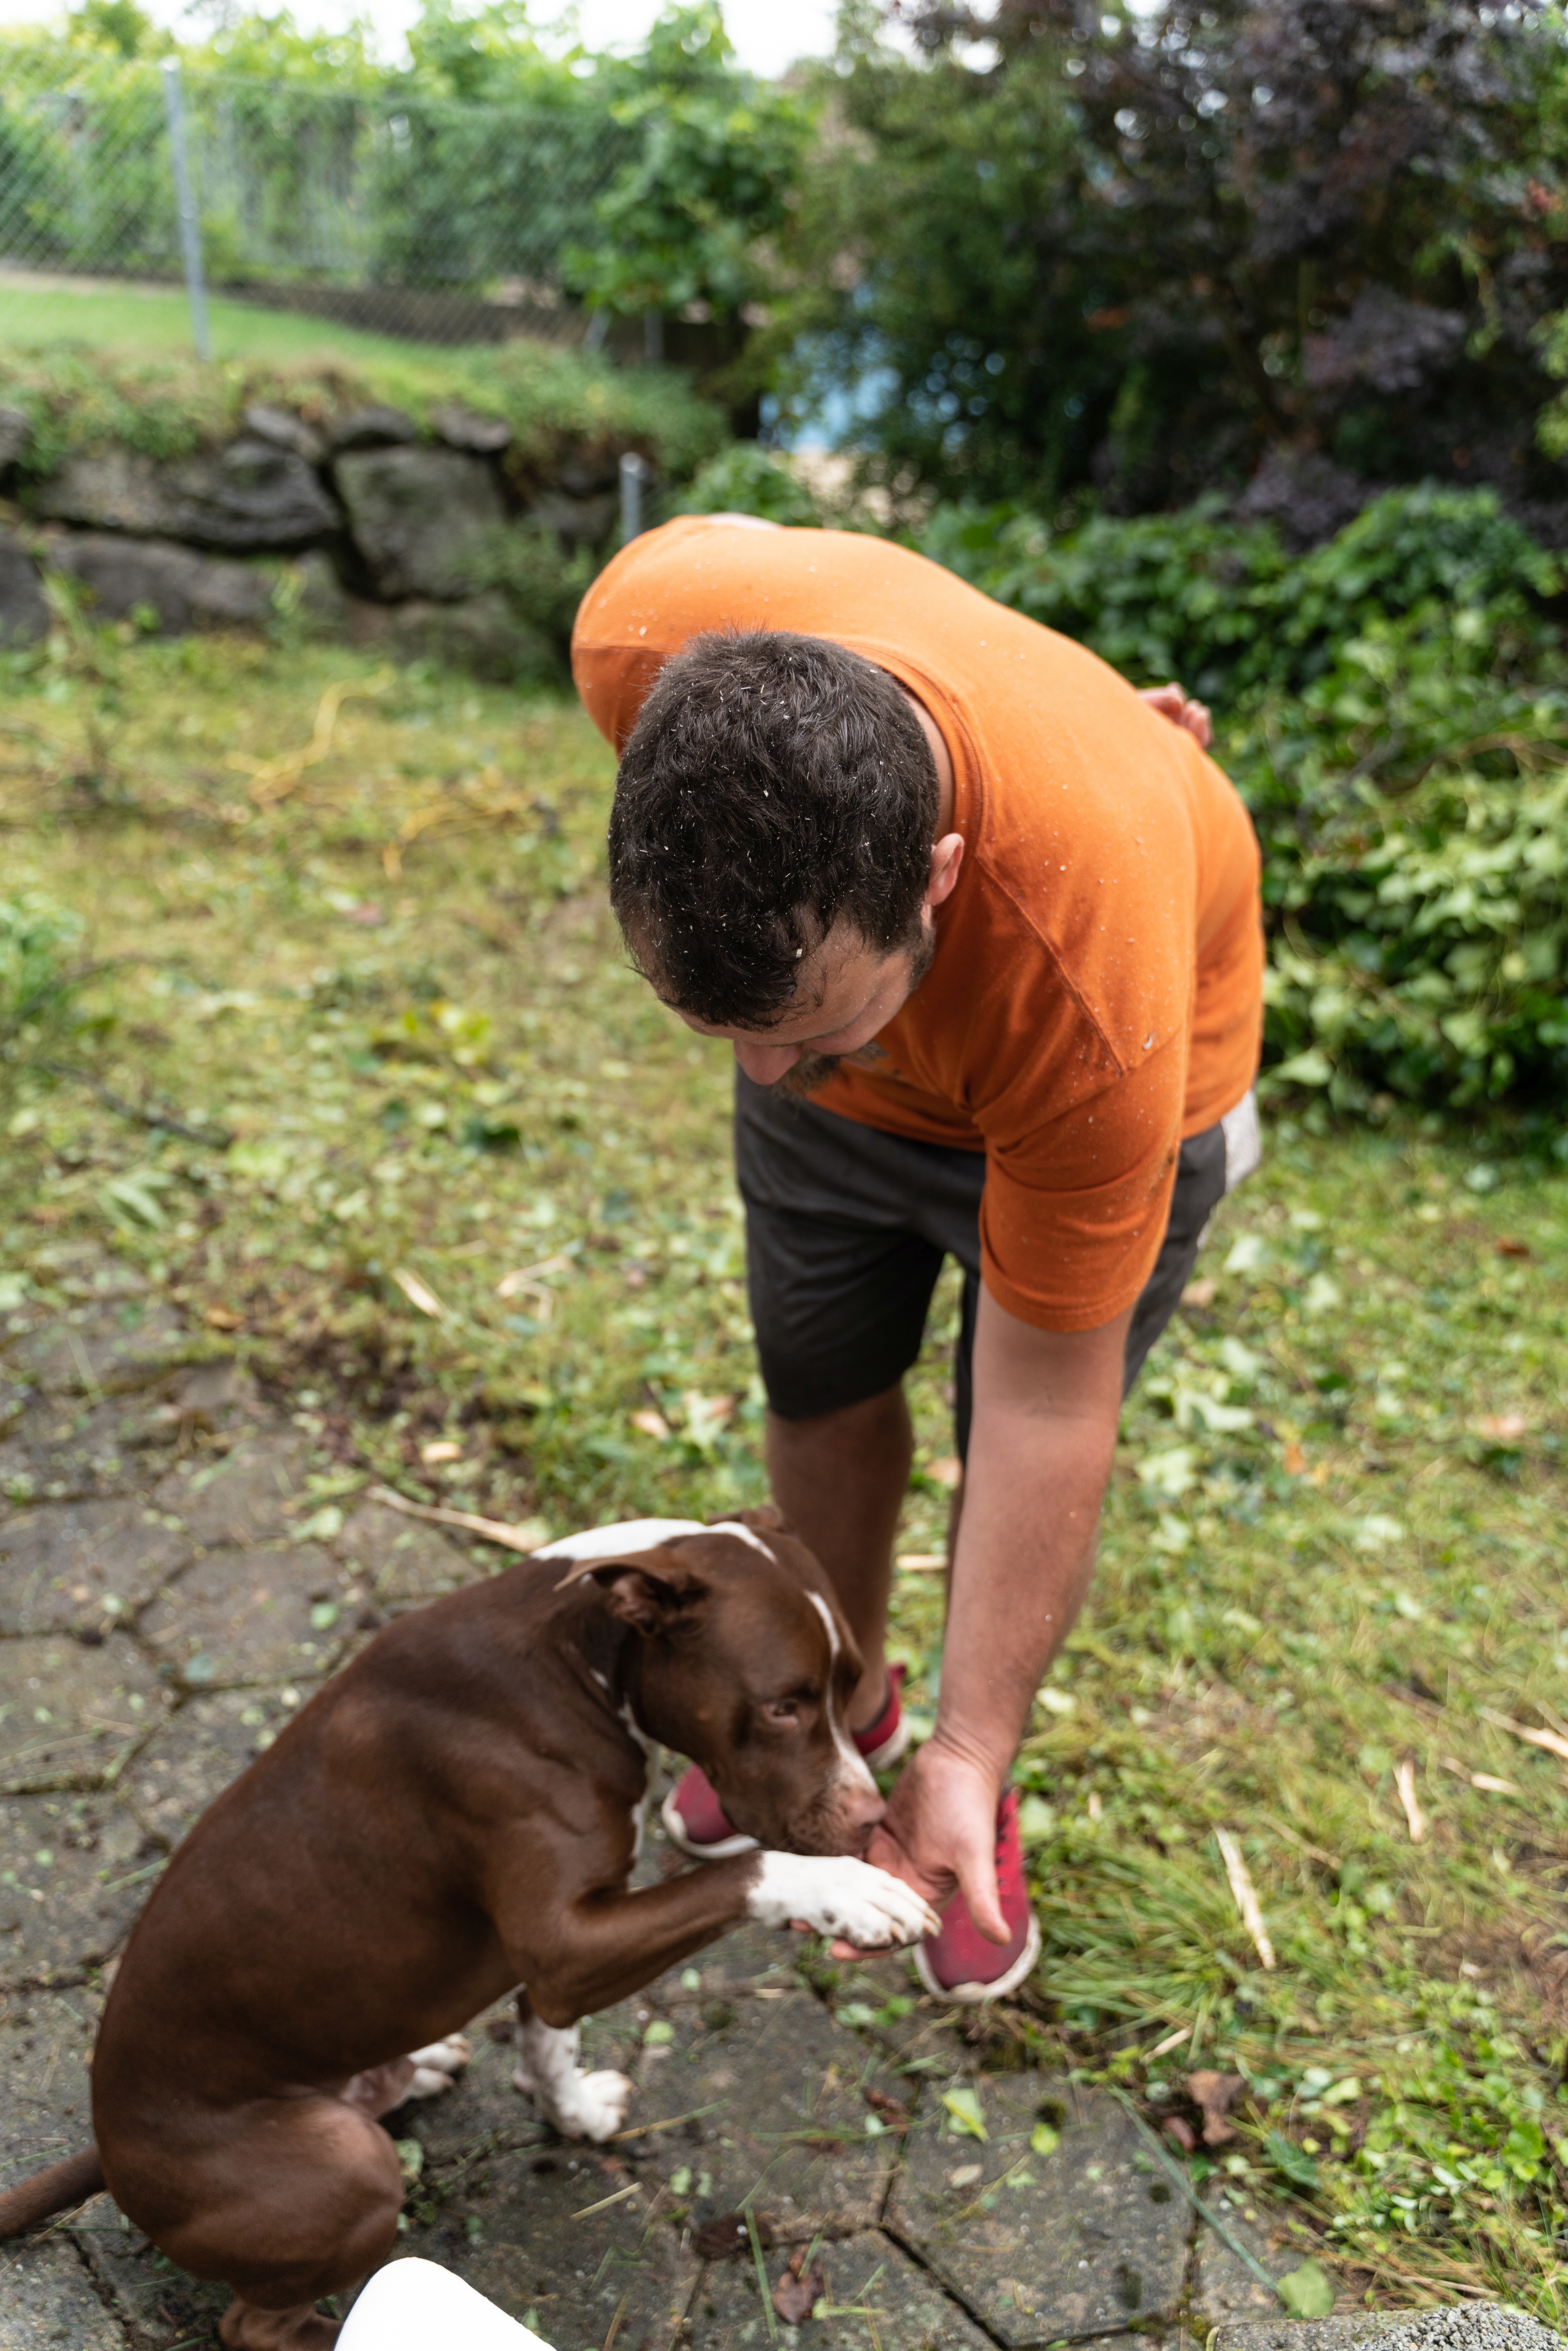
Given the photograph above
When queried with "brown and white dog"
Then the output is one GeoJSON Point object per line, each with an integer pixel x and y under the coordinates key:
{"type": "Point", "coordinates": [453, 1817]}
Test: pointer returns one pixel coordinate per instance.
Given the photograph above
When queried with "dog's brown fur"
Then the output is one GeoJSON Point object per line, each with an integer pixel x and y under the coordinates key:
{"type": "Point", "coordinates": [452, 1817]}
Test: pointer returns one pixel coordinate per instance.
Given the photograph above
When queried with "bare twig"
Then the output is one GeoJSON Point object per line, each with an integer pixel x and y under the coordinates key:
{"type": "Point", "coordinates": [1246, 1895]}
{"type": "Point", "coordinates": [493, 1530]}
{"type": "Point", "coordinates": [1404, 1780]}
{"type": "Point", "coordinates": [1552, 1741]}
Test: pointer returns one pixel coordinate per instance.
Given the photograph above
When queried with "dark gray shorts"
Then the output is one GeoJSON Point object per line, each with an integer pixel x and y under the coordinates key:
{"type": "Point", "coordinates": [846, 1228]}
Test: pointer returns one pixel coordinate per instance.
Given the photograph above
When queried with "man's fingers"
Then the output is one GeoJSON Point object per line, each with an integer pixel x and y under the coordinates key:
{"type": "Point", "coordinates": [977, 1884]}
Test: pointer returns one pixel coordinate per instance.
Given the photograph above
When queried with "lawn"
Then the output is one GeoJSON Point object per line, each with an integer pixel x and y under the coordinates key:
{"type": "Point", "coordinates": [451, 1181]}
{"type": "Point", "coordinates": [158, 318]}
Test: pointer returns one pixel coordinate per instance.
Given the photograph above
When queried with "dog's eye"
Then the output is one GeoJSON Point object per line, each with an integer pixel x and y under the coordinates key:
{"type": "Point", "coordinates": [783, 1712]}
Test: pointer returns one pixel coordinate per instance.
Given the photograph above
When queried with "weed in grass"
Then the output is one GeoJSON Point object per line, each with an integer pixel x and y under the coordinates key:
{"type": "Point", "coordinates": [477, 1228]}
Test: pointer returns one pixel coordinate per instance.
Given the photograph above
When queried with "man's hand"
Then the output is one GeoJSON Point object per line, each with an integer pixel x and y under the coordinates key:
{"type": "Point", "coordinates": [941, 1825]}
{"type": "Point", "coordinates": [940, 1830]}
{"type": "Point", "coordinates": [1172, 703]}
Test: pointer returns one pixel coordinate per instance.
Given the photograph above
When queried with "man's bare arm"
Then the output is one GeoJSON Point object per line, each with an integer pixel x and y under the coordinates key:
{"type": "Point", "coordinates": [1047, 1405]}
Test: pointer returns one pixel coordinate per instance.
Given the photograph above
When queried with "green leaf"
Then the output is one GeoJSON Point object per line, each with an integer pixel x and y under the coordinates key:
{"type": "Point", "coordinates": [1290, 2162]}
{"type": "Point", "coordinates": [658, 2034]}
{"type": "Point", "coordinates": [964, 2105]}
{"type": "Point", "coordinates": [1309, 2292]}
{"type": "Point", "coordinates": [320, 1527]}
{"type": "Point", "coordinates": [1043, 2139]}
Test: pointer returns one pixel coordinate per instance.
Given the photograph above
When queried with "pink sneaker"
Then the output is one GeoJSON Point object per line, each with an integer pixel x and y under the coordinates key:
{"type": "Point", "coordinates": [693, 1817]}
{"type": "Point", "coordinates": [960, 1963]}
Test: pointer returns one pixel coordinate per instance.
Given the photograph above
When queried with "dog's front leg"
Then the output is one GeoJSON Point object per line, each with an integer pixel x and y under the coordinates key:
{"type": "Point", "coordinates": [607, 1946]}
{"type": "Point", "coordinates": [579, 2104]}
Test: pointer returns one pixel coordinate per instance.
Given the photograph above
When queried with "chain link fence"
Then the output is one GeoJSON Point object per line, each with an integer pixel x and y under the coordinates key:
{"type": "Point", "coordinates": [403, 216]}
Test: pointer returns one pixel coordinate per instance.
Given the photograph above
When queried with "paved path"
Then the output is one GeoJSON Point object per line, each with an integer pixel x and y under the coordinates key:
{"type": "Point", "coordinates": [172, 1586]}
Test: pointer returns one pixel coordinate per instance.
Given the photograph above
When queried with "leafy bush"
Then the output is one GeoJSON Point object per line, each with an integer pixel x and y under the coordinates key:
{"type": "Point", "coordinates": [1394, 707]}
{"type": "Point", "coordinates": [747, 479]}
{"type": "Point", "coordinates": [1221, 606]}
{"type": "Point", "coordinates": [539, 580]}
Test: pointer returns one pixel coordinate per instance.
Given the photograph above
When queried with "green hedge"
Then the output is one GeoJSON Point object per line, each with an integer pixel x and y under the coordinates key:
{"type": "Point", "coordinates": [1393, 706]}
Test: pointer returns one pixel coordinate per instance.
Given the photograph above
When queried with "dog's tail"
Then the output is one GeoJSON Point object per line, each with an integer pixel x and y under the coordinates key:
{"type": "Point", "coordinates": [48, 2192]}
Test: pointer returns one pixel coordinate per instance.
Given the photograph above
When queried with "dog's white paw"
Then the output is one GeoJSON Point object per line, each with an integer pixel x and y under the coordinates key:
{"type": "Point", "coordinates": [435, 2068]}
{"type": "Point", "coordinates": [599, 2106]}
{"type": "Point", "coordinates": [580, 2106]}
{"type": "Point", "coordinates": [839, 1896]}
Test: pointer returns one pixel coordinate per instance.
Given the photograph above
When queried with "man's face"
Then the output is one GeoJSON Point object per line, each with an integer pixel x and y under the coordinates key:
{"type": "Point", "coordinates": [848, 992]}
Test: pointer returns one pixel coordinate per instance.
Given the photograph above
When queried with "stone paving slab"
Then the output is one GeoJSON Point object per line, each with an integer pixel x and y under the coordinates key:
{"type": "Point", "coordinates": [1224, 2288]}
{"type": "Point", "coordinates": [1044, 2248]}
{"type": "Point", "coordinates": [544, 2254]}
{"type": "Point", "coordinates": [45, 2040]}
{"type": "Point", "coordinates": [242, 1615]}
{"type": "Point", "coordinates": [99, 1351]}
{"type": "Point", "coordinates": [876, 2296]}
{"type": "Point", "coordinates": [786, 2128]}
{"type": "Point", "coordinates": [74, 1871]}
{"type": "Point", "coordinates": [237, 1498]}
{"type": "Point", "coordinates": [72, 1714]}
{"type": "Point", "coordinates": [186, 1765]}
{"type": "Point", "coordinates": [58, 1449]}
{"type": "Point", "coordinates": [155, 2303]}
{"type": "Point", "coordinates": [78, 1565]}
{"type": "Point", "coordinates": [48, 2302]}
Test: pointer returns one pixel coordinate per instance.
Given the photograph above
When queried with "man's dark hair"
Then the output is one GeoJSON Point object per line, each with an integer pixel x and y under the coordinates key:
{"type": "Point", "coordinates": [773, 786]}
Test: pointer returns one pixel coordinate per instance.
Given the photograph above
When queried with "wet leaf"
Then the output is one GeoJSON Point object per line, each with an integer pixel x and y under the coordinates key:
{"type": "Point", "coordinates": [963, 2104]}
{"type": "Point", "coordinates": [1308, 2292]}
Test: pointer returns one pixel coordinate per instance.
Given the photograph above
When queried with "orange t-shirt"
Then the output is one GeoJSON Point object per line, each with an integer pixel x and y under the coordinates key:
{"type": "Point", "coordinates": [1096, 992]}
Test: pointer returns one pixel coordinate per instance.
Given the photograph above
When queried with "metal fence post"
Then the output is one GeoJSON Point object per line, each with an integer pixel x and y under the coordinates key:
{"type": "Point", "coordinates": [190, 226]}
{"type": "Point", "coordinates": [633, 474]}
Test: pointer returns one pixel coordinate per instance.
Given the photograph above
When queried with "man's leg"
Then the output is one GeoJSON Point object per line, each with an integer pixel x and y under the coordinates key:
{"type": "Point", "coordinates": [846, 1230]}
{"type": "Point", "coordinates": [840, 1481]}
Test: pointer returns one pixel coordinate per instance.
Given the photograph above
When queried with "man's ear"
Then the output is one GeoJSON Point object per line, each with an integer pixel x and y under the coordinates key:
{"type": "Point", "coordinates": [767, 1519]}
{"type": "Point", "coordinates": [655, 1591]}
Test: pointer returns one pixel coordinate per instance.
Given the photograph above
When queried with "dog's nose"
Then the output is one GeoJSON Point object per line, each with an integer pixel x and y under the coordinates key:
{"type": "Point", "coordinates": [862, 1811]}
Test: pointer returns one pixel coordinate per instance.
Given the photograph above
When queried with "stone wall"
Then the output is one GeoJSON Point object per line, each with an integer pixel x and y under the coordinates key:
{"type": "Point", "coordinates": [366, 524]}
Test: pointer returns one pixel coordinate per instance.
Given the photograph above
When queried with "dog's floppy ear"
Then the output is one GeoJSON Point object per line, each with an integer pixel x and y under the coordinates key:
{"type": "Point", "coordinates": [654, 1590]}
{"type": "Point", "coordinates": [767, 1518]}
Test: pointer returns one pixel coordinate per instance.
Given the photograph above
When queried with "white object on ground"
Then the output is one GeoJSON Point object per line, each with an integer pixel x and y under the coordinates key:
{"type": "Point", "coordinates": [412, 2306]}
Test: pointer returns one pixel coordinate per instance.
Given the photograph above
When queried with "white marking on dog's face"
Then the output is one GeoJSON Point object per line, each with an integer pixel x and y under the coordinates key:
{"type": "Point", "coordinates": [630, 1535]}
{"type": "Point", "coordinates": [853, 1771]}
{"type": "Point", "coordinates": [748, 1535]}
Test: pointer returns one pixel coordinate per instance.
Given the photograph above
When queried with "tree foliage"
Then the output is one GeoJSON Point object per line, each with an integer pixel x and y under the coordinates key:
{"type": "Point", "coordinates": [715, 159]}
{"type": "Point", "coordinates": [1132, 253]}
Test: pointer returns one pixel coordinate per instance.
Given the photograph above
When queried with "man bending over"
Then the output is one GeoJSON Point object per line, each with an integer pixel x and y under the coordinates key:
{"type": "Point", "coordinates": [983, 929]}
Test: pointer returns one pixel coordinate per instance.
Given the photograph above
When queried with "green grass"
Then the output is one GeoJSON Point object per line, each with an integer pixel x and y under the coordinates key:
{"type": "Point", "coordinates": [1333, 1544]}
{"type": "Point", "coordinates": [159, 319]}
